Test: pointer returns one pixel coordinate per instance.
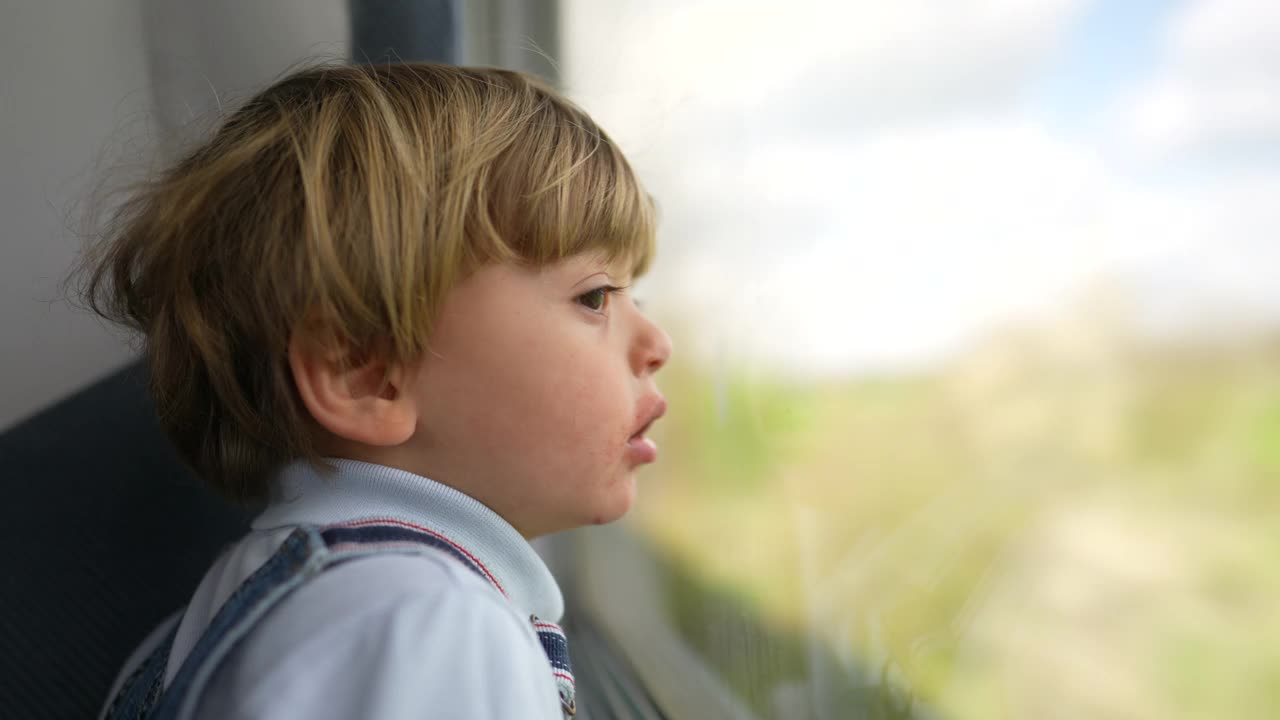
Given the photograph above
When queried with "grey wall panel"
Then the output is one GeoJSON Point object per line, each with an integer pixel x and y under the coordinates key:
{"type": "Point", "coordinates": [84, 84]}
{"type": "Point", "coordinates": [72, 75]}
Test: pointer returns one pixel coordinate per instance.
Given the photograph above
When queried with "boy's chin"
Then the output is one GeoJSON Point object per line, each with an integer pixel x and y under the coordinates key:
{"type": "Point", "coordinates": [616, 505]}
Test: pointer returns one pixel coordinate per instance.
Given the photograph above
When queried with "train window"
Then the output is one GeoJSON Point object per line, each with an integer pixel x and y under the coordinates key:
{"type": "Point", "coordinates": [975, 407]}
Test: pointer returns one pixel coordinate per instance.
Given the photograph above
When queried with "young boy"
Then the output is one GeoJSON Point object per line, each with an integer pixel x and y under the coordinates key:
{"type": "Point", "coordinates": [392, 303]}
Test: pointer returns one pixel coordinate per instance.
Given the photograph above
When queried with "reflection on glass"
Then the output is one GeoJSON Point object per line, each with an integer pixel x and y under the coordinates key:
{"type": "Point", "coordinates": [976, 408]}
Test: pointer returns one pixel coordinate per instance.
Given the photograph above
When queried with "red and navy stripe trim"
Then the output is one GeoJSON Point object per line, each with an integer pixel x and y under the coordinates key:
{"type": "Point", "coordinates": [384, 532]}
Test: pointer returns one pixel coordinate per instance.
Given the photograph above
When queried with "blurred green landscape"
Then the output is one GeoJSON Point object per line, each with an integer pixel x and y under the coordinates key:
{"type": "Point", "coordinates": [1065, 521]}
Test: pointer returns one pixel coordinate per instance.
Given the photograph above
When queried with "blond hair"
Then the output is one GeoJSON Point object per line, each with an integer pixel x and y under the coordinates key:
{"type": "Point", "coordinates": [359, 195]}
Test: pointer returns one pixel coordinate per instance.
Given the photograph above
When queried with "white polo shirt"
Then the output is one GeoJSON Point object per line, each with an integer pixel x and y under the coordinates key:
{"type": "Point", "coordinates": [385, 637]}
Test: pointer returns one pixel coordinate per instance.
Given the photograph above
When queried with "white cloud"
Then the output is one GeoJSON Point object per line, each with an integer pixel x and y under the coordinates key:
{"type": "Point", "coordinates": [1225, 275]}
{"type": "Point", "coordinates": [847, 246]}
{"type": "Point", "coordinates": [1217, 81]}
{"type": "Point", "coordinates": [927, 236]}
{"type": "Point", "coordinates": [857, 62]}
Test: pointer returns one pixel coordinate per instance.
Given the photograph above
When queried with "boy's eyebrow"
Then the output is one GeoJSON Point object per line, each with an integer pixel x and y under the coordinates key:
{"type": "Point", "coordinates": [605, 273]}
{"type": "Point", "coordinates": [584, 268]}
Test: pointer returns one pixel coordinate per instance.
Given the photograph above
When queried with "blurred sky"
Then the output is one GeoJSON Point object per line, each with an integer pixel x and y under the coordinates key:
{"type": "Point", "coordinates": [861, 185]}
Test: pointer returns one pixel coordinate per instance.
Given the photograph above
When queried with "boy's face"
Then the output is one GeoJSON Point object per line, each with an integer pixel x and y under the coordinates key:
{"type": "Point", "coordinates": [532, 394]}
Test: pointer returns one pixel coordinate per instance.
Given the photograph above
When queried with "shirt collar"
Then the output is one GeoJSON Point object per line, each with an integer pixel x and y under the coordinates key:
{"type": "Point", "coordinates": [359, 490]}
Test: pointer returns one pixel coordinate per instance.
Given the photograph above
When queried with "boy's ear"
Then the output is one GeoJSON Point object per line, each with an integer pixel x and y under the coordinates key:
{"type": "Point", "coordinates": [353, 402]}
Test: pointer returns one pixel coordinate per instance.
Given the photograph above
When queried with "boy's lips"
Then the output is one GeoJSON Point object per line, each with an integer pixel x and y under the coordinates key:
{"type": "Point", "coordinates": [640, 448]}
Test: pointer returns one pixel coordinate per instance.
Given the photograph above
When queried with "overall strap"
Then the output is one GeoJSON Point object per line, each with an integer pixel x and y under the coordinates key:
{"type": "Point", "coordinates": [303, 555]}
{"type": "Point", "coordinates": [556, 646]}
{"type": "Point", "coordinates": [307, 552]}
{"type": "Point", "coordinates": [143, 694]}
{"type": "Point", "coordinates": [140, 691]}
{"type": "Point", "coordinates": [369, 536]}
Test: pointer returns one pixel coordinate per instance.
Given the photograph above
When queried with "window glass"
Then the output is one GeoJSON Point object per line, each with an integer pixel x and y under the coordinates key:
{"type": "Point", "coordinates": [975, 405]}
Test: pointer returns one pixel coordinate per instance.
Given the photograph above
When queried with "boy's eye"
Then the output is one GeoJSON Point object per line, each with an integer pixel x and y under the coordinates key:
{"type": "Point", "coordinates": [596, 300]}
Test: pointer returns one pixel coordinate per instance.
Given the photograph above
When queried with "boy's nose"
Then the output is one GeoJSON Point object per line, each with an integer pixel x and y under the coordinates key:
{"type": "Point", "coordinates": [652, 348]}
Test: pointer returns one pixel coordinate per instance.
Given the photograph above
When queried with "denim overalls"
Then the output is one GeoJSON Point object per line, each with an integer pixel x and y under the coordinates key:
{"type": "Point", "coordinates": [306, 553]}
